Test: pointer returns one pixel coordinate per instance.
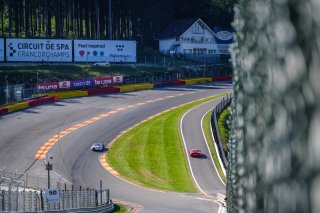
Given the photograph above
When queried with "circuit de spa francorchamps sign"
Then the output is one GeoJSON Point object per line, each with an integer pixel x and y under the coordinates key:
{"type": "Point", "coordinates": [39, 50]}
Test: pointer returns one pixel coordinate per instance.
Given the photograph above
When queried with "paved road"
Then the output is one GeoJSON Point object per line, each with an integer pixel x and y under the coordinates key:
{"type": "Point", "coordinates": [22, 133]}
{"type": "Point", "coordinates": [203, 168]}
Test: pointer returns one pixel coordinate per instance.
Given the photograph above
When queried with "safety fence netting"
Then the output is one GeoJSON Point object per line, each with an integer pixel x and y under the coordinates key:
{"type": "Point", "coordinates": [274, 160]}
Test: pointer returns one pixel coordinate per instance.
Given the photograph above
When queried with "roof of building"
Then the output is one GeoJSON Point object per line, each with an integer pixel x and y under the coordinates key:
{"type": "Point", "coordinates": [177, 28]}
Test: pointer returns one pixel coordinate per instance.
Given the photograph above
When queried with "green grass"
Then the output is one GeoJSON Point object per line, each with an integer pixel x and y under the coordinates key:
{"type": "Point", "coordinates": [224, 128]}
{"type": "Point", "coordinates": [207, 131]}
{"type": "Point", "coordinates": [119, 209]}
{"type": "Point", "coordinates": [152, 154]}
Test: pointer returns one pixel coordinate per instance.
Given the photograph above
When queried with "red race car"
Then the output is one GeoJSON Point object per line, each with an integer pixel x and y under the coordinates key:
{"type": "Point", "coordinates": [195, 153]}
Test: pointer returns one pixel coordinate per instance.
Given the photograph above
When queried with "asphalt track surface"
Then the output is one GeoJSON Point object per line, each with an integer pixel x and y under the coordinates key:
{"type": "Point", "coordinates": [22, 134]}
{"type": "Point", "coordinates": [203, 168]}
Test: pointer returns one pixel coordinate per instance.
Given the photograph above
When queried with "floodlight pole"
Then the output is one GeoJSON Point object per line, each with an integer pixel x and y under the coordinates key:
{"type": "Point", "coordinates": [110, 21]}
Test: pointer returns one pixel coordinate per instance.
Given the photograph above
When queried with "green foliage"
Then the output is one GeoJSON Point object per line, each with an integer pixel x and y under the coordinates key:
{"type": "Point", "coordinates": [207, 131]}
{"type": "Point", "coordinates": [141, 20]}
{"type": "Point", "coordinates": [223, 125]}
{"type": "Point", "coordinates": [119, 209]}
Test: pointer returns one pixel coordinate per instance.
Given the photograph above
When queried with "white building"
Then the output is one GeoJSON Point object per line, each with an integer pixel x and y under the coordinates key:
{"type": "Point", "coordinates": [188, 36]}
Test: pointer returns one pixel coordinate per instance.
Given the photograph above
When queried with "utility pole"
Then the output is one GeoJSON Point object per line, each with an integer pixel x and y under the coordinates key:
{"type": "Point", "coordinates": [110, 21]}
{"type": "Point", "coordinates": [37, 82]}
{"type": "Point", "coordinates": [7, 88]}
{"type": "Point", "coordinates": [48, 168]}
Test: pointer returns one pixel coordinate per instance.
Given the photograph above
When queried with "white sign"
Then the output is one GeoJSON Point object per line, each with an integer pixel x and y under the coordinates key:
{"type": "Point", "coordinates": [224, 35]}
{"type": "Point", "coordinates": [223, 49]}
{"type": "Point", "coordinates": [117, 79]}
{"type": "Point", "coordinates": [105, 50]}
{"type": "Point", "coordinates": [41, 50]}
{"type": "Point", "coordinates": [1, 49]}
{"type": "Point", "coordinates": [52, 195]}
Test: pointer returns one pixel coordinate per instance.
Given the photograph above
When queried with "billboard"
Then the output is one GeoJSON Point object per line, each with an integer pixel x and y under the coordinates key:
{"type": "Point", "coordinates": [48, 86]}
{"type": "Point", "coordinates": [83, 84]}
{"type": "Point", "coordinates": [40, 50]}
{"type": "Point", "coordinates": [1, 49]}
{"type": "Point", "coordinates": [64, 85]}
{"type": "Point", "coordinates": [105, 50]}
{"type": "Point", "coordinates": [224, 37]}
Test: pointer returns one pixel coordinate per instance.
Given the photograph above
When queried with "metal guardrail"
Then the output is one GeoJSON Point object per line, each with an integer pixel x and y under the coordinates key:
{"type": "Point", "coordinates": [214, 124]}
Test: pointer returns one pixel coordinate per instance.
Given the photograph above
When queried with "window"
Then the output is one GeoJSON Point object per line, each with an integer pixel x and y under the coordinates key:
{"type": "Point", "coordinates": [198, 29]}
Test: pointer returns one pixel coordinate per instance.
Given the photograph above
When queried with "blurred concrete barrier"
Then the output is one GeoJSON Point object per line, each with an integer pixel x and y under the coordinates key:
{"type": "Point", "coordinates": [134, 87]}
{"type": "Point", "coordinates": [69, 94]}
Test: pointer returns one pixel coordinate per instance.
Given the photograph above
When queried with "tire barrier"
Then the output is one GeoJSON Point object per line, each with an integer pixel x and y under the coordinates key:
{"type": "Point", "coordinates": [197, 80]}
{"type": "Point", "coordinates": [69, 94]}
{"type": "Point", "coordinates": [17, 106]}
{"type": "Point", "coordinates": [103, 91]}
{"type": "Point", "coordinates": [42, 100]}
{"type": "Point", "coordinates": [134, 87]}
{"type": "Point", "coordinates": [221, 78]}
{"type": "Point", "coordinates": [3, 111]}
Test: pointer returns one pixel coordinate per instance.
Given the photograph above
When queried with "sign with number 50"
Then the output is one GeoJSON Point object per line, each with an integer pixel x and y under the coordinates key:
{"type": "Point", "coordinates": [52, 195]}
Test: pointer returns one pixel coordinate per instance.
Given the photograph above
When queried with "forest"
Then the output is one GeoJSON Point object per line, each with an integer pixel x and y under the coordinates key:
{"type": "Point", "coordinates": [141, 20]}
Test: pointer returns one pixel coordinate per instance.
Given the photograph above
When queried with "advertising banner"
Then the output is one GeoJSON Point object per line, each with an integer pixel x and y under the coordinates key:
{"type": "Point", "coordinates": [83, 84]}
{"type": "Point", "coordinates": [224, 37]}
{"type": "Point", "coordinates": [105, 50]}
{"type": "Point", "coordinates": [117, 79]}
{"type": "Point", "coordinates": [48, 86]}
{"type": "Point", "coordinates": [39, 50]}
{"type": "Point", "coordinates": [1, 49]}
{"type": "Point", "coordinates": [102, 81]}
{"type": "Point", "coordinates": [64, 85]}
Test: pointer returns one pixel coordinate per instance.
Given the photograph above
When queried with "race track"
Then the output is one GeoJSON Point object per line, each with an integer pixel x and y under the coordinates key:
{"type": "Point", "coordinates": [23, 133]}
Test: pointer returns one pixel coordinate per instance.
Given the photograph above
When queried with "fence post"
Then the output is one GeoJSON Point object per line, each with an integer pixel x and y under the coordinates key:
{"type": "Point", "coordinates": [100, 192]}
{"type": "Point", "coordinates": [72, 188]}
{"type": "Point", "coordinates": [9, 196]}
{"type": "Point", "coordinates": [41, 200]}
{"type": "Point", "coordinates": [96, 197]}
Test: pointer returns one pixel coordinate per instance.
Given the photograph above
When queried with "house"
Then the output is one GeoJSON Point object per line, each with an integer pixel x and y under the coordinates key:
{"type": "Point", "coordinates": [193, 38]}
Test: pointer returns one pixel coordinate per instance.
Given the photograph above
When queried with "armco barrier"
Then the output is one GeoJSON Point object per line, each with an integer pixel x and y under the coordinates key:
{"type": "Point", "coordinates": [3, 111]}
{"type": "Point", "coordinates": [69, 94]}
{"type": "Point", "coordinates": [103, 91]}
{"type": "Point", "coordinates": [198, 80]}
{"type": "Point", "coordinates": [222, 78]}
{"type": "Point", "coordinates": [17, 106]}
{"type": "Point", "coordinates": [134, 87]}
{"type": "Point", "coordinates": [42, 100]}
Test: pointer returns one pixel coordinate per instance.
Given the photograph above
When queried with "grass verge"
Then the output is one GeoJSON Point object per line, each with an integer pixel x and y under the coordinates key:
{"type": "Point", "coordinates": [207, 131]}
{"type": "Point", "coordinates": [152, 153]}
{"type": "Point", "coordinates": [119, 208]}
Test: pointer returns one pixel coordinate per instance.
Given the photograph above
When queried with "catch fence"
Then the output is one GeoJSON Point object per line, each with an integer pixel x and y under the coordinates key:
{"type": "Point", "coordinates": [25, 193]}
{"type": "Point", "coordinates": [226, 101]}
